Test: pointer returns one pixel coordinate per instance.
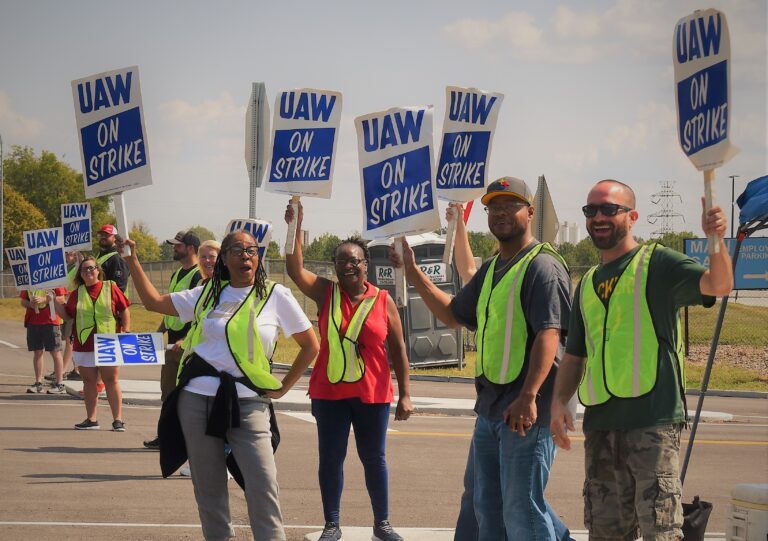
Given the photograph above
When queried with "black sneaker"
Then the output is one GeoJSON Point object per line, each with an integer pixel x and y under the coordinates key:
{"type": "Point", "coordinates": [36, 387]}
{"type": "Point", "coordinates": [331, 532]}
{"type": "Point", "coordinates": [73, 376]}
{"type": "Point", "coordinates": [382, 531]}
{"type": "Point", "coordinates": [57, 389]}
{"type": "Point", "coordinates": [50, 377]}
{"type": "Point", "coordinates": [118, 426]}
{"type": "Point", "coordinates": [87, 425]}
{"type": "Point", "coordinates": [153, 444]}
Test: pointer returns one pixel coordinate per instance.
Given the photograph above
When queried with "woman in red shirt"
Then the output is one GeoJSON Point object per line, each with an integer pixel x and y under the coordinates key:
{"type": "Point", "coordinates": [351, 382]}
{"type": "Point", "coordinates": [95, 305]}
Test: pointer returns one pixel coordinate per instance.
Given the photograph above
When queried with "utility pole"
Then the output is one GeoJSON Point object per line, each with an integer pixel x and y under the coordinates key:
{"type": "Point", "coordinates": [665, 198]}
{"type": "Point", "coordinates": [733, 200]}
{"type": "Point", "coordinates": [2, 221]}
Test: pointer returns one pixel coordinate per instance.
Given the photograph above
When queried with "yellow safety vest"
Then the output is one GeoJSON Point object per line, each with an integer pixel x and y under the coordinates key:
{"type": "Point", "coordinates": [171, 322]}
{"type": "Point", "coordinates": [622, 346]}
{"type": "Point", "coordinates": [102, 259]}
{"type": "Point", "coordinates": [71, 277]}
{"type": "Point", "coordinates": [345, 364]}
{"type": "Point", "coordinates": [242, 335]}
{"type": "Point", "coordinates": [96, 314]}
{"type": "Point", "coordinates": [502, 331]}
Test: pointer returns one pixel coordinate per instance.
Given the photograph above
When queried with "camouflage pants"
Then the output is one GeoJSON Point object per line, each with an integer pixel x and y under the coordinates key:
{"type": "Point", "coordinates": [632, 484]}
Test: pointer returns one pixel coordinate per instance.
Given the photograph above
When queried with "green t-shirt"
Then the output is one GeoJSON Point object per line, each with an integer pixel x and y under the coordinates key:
{"type": "Point", "coordinates": [673, 282]}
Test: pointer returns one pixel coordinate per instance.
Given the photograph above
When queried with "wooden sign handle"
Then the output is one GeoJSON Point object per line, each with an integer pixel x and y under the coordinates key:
{"type": "Point", "coordinates": [401, 298]}
{"type": "Point", "coordinates": [709, 180]}
{"type": "Point", "coordinates": [122, 220]}
{"type": "Point", "coordinates": [290, 239]}
{"type": "Point", "coordinates": [450, 233]}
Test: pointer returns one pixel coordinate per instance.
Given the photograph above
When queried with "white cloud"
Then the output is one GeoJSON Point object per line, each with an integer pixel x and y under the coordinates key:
{"type": "Point", "coordinates": [16, 127]}
{"type": "Point", "coordinates": [221, 115]}
{"type": "Point", "coordinates": [568, 23]}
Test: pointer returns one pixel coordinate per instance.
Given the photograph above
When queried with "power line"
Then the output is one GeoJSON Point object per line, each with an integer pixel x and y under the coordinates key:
{"type": "Point", "coordinates": [665, 216]}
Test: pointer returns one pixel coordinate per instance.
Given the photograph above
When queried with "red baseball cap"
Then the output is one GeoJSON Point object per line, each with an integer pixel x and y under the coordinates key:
{"type": "Point", "coordinates": [109, 229]}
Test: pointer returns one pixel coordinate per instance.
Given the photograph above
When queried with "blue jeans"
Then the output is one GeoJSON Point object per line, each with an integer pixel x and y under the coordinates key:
{"type": "Point", "coordinates": [510, 475]}
{"type": "Point", "coordinates": [334, 418]}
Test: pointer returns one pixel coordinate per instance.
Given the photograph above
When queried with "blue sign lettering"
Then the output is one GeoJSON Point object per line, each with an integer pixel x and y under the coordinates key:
{"type": "Point", "coordinates": [462, 160]}
{"type": "Point", "coordinates": [113, 146]}
{"type": "Point", "coordinates": [47, 237]}
{"type": "Point", "coordinates": [397, 188]}
{"type": "Point", "coordinates": [78, 232]}
{"type": "Point", "coordinates": [105, 349]}
{"type": "Point", "coordinates": [703, 108]}
{"type": "Point", "coordinates": [308, 106]}
{"type": "Point", "coordinates": [75, 211]}
{"type": "Point", "coordinates": [391, 130]}
{"type": "Point", "coordinates": [302, 155]}
{"type": "Point", "coordinates": [46, 266]}
{"type": "Point", "coordinates": [696, 38]}
{"type": "Point", "coordinates": [20, 274]}
{"type": "Point", "coordinates": [470, 107]}
{"type": "Point", "coordinates": [752, 266]}
{"type": "Point", "coordinates": [106, 92]}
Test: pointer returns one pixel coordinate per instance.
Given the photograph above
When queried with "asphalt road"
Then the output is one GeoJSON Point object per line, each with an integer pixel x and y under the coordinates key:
{"type": "Point", "coordinates": [56, 481]}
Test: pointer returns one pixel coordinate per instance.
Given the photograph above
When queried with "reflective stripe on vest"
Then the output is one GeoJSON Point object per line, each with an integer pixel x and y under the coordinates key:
{"type": "Point", "coordinates": [345, 364]}
{"type": "Point", "coordinates": [502, 331]}
{"type": "Point", "coordinates": [622, 346]}
{"type": "Point", "coordinates": [172, 322]}
{"type": "Point", "coordinates": [90, 314]}
{"type": "Point", "coordinates": [242, 334]}
{"type": "Point", "coordinates": [103, 258]}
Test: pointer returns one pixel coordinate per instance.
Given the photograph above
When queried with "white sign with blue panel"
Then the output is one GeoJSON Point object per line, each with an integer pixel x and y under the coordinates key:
{"type": "Point", "coordinates": [76, 223]}
{"type": "Point", "coordinates": [134, 349]}
{"type": "Point", "coordinates": [470, 122]}
{"type": "Point", "coordinates": [701, 55]}
{"type": "Point", "coordinates": [751, 267]}
{"type": "Point", "coordinates": [305, 130]}
{"type": "Point", "coordinates": [395, 153]}
{"type": "Point", "coordinates": [260, 229]}
{"type": "Point", "coordinates": [45, 258]}
{"type": "Point", "coordinates": [110, 125]}
{"type": "Point", "coordinates": [17, 257]}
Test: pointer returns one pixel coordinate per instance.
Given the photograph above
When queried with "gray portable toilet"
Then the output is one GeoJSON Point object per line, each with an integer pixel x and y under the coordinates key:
{"type": "Point", "coordinates": [428, 341]}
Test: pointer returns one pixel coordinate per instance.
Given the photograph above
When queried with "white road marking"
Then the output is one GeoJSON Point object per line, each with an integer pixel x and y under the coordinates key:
{"type": "Point", "coordinates": [309, 418]}
{"type": "Point", "coordinates": [13, 346]}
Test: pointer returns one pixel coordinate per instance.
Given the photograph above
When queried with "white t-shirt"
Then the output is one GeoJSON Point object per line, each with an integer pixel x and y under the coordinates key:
{"type": "Point", "coordinates": [281, 312]}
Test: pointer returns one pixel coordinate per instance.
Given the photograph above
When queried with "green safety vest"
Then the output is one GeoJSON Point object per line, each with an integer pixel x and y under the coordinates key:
{"type": "Point", "coordinates": [502, 331]}
{"type": "Point", "coordinates": [71, 273]}
{"type": "Point", "coordinates": [171, 322]}
{"type": "Point", "coordinates": [37, 293]}
{"type": "Point", "coordinates": [102, 259]}
{"type": "Point", "coordinates": [90, 314]}
{"type": "Point", "coordinates": [622, 346]}
{"type": "Point", "coordinates": [242, 337]}
{"type": "Point", "coordinates": [344, 361]}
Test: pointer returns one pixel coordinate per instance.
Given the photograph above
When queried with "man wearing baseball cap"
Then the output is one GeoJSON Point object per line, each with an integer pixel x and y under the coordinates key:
{"type": "Point", "coordinates": [518, 303]}
{"type": "Point", "coordinates": [114, 267]}
{"type": "Point", "coordinates": [185, 245]}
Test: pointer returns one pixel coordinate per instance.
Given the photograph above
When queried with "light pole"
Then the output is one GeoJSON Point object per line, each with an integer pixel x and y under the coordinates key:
{"type": "Point", "coordinates": [733, 184]}
{"type": "Point", "coordinates": [2, 220]}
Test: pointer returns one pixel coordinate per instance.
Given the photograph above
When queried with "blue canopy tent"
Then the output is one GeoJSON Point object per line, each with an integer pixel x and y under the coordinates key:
{"type": "Point", "coordinates": [753, 217]}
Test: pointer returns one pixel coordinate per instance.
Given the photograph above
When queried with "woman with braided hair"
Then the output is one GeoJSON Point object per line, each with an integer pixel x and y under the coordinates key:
{"type": "Point", "coordinates": [225, 386]}
{"type": "Point", "coordinates": [351, 383]}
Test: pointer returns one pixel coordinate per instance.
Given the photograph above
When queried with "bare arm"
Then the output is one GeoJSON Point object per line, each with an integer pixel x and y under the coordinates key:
{"type": "Point", "coordinates": [438, 302]}
{"type": "Point", "coordinates": [717, 281]}
{"type": "Point", "coordinates": [522, 413]}
{"type": "Point", "coordinates": [463, 258]}
{"type": "Point", "coordinates": [125, 319]}
{"type": "Point", "coordinates": [569, 375]}
{"type": "Point", "coordinates": [148, 294]}
{"type": "Point", "coordinates": [397, 351]}
{"type": "Point", "coordinates": [308, 349]}
{"type": "Point", "coordinates": [308, 282]}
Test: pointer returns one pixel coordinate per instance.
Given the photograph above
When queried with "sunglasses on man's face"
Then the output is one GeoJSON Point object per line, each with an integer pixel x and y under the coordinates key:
{"type": "Point", "coordinates": [606, 209]}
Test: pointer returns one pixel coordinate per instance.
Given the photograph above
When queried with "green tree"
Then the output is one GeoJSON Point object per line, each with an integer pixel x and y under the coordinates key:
{"type": "Point", "coordinates": [147, 246]}
{"type": "Point", "coordinates": [203, 233]}
{"type": "Point", "coordinates": [46, 182]}
{"type": "Point", "coordinates": [579, 256]}
{"type": "Point", "coordinates": [321, 249]}
{"type": "Point", "coordinates": [675, 240]}
{"type": "Point", "coordinates": [273, 251]}
{"type": "Point", "coordinates": [20, 216]}
{"type": "Point", "coordinates": [483, 245]}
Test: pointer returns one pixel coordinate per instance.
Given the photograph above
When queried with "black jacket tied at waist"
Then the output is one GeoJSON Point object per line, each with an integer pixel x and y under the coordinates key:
{"type": "Point", "coordinates": [225, 414]}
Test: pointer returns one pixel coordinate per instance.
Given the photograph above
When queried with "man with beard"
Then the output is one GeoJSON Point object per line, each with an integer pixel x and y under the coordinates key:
{"type": "Point", "coordinates": [185, 245]}
{"type": "Point", "coordinates": [624, 356]}
{"type": "Point", "coordinates": [111, 263]}
{"type": "Point", "coordinates": [519, 303]}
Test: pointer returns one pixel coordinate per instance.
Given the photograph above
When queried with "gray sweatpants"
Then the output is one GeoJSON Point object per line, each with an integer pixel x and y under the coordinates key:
{"type": "Point", "coordinates": [251, 445]}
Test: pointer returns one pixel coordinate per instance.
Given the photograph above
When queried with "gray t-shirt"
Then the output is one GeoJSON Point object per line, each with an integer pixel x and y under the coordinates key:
{"type": "Point", "coordinates": [546, 301]}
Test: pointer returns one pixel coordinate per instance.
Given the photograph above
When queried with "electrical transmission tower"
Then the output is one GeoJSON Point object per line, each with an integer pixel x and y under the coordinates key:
{"type": "Point", "coordinates": [665, 199]}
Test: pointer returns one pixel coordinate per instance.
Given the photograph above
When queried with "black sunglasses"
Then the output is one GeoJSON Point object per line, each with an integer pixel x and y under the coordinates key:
{"type": "Point", "coordinates": [606, 209]}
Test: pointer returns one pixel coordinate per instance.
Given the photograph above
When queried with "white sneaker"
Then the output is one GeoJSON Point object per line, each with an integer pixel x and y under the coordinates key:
{"type": "Point", "coordinates": [185, 470]}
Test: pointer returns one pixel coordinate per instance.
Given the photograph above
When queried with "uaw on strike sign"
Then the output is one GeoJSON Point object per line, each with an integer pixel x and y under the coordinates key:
{"type": "Point", "coordinates": [110, 124]}
{"type": "Point", "coordinates": [129, 349]}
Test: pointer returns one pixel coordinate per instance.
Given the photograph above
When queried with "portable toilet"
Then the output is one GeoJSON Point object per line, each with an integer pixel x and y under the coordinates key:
{"type": "Point", "coordinates": [748, 513]}
{"type": "Point", "coordinates": [428, 341]}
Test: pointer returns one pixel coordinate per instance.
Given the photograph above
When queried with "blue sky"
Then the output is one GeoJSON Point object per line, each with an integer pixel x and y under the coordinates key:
{"type": "Point", "coordinates": [588, 91]}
